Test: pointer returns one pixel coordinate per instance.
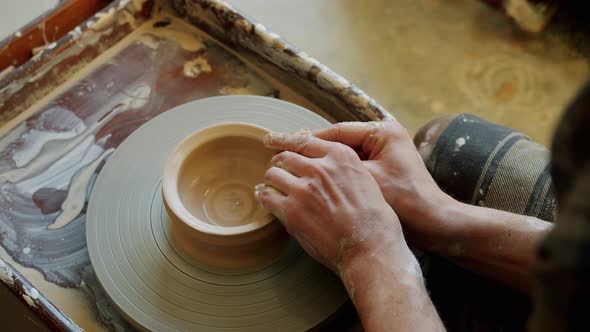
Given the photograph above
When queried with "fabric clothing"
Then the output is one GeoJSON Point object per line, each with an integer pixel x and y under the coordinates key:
{"type": "Point", "coordinates": [481, 163]}
{"type": "Point", "coordinates": [485, 164]}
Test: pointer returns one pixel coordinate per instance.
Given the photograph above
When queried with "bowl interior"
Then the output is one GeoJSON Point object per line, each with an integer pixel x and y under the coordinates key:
{"type": "Point", "coordinates": [216, 171]}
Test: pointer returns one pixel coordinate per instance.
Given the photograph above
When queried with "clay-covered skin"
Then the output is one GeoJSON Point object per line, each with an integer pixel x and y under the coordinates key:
{"type": "Point", "coordinates": [328, 201]}
{"type": "Point", "coordinates": [390, 156]}
{"type": "Point", "coordinates": [497, 244]}
{"type": "Point", "coordinates": [324, 188]}
{"type": "Point", "coordinates": [325, 197]}
{"type": "Point", "coordinates": [216, 181]}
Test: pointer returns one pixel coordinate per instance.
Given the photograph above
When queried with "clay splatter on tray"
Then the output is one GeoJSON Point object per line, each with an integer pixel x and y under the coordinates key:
{"type": "Point", "coordinates": [49, 162]}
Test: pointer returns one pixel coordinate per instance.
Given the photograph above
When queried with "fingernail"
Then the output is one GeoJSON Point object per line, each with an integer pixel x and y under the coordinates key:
{"type": "Point", "coordinates": [258, 189]}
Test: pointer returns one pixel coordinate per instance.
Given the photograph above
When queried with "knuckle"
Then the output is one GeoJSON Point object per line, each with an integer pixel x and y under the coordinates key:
{"type": "Point", "coordinates": [339, 130]}
{"type": "Point", "coordinates": [395, 129]}
{"type": "Point", "coordinates": [343, 152]}
{"type": "Point", "coordinates": [301, 141]}
{"type": "Point", "coordinates": [298, 191]}
{"type": "Point", "coordinates": [324, 165]}
{"type": "Point", "coordinates": [340, 148]}
{"type": "Point", "coordinates": [274, 139]}
{"type": "Point", "coordinates": [375, 130]}
{"type": "Point", "coordinates": [315, 167]}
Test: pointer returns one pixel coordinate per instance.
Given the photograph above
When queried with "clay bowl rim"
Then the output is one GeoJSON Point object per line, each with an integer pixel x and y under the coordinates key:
{"type": "Point", "coordinates": [175, 161]}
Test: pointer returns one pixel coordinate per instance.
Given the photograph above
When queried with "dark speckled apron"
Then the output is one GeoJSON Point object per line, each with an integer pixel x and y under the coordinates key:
{"type": "Point", "coordinates": [482, 163]}
{"type": "Point", "coordinates": [485, 164]}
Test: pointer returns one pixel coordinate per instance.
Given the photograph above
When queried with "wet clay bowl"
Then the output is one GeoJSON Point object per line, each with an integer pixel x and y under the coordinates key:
{"type": "Point", "coordinates": [208, 190]}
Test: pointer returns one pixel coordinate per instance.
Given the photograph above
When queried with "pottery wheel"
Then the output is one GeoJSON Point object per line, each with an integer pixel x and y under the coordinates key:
{"type": "Point", "coordinates": [158, 287]}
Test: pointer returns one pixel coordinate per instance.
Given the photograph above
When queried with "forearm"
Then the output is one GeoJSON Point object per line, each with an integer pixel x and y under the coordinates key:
{"type": "Point", "coordinates": [389, 294]}
{"type": "Point", "coordinates": [495, 243]}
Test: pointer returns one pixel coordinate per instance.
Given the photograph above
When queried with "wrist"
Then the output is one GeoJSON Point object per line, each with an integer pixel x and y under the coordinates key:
{"type": "Point", "coordinates": [385, 239]}
{"type": "Point", "coordinates": [430, 219]}
{"type": "Point", "coordinates": [392, 260]}
{"type": "Point", "coordinates": [390, 295]}
{"type": "Point", "coordinates": [457, 229]}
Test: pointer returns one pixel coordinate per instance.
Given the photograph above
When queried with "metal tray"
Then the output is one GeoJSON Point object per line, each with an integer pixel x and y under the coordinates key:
{"type": "Point", "coordinates": [87, 91]}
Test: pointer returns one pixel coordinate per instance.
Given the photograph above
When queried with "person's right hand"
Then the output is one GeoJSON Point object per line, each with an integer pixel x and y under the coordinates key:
{"type": "Point", "coordinates": [329, 202]}
{"type": "Point", "coordinates": [388, 152]}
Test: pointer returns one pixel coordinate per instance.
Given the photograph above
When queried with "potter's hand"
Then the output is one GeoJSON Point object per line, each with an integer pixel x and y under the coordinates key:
{"type": "Point", "coordinates": [331, 204]}
{"type": "Point", "coordinates": [389, 154]}
{"type": "Point", "coordinates": [327, 199]}
{"type": "Point", "coordinates": [469, 235]}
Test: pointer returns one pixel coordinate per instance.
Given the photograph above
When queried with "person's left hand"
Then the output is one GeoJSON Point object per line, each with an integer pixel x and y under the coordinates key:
{"type": "Point", "coordinates": [328, 201]}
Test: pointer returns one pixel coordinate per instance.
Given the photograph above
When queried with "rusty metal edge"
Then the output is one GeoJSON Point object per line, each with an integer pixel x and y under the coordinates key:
{"type": "Point", "coordinates": [17, 87]}
{"type": "Point", "coordinates": [29, 295]}
{"type": "Point", "coordinates": [222, 21]}
{"type": "Point", "coordinates": [44, 56]}
{"type": "Point", "coordinates": [265, 44]}
{"type": "Point", "coordinates": [31, 35]}
{"type": "Point", "coordinates": [53, 317]}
